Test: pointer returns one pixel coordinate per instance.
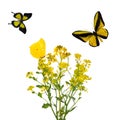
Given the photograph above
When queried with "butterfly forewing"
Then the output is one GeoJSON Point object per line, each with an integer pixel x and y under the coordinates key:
{"type": "Point", "coordinates": [98, 21]}
{"type": "Point", "coordinates": [82, 35]}
{"type": "Point", "coordinates": [18, 16]}
{"type": "Point", "coordinates": [27, 16]}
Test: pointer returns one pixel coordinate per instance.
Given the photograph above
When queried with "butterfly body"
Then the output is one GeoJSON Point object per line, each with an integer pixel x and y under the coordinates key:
{"type": "Point", "coordinates": [96, 36]}
{"type": "Point", "coordinates": [20, 19]}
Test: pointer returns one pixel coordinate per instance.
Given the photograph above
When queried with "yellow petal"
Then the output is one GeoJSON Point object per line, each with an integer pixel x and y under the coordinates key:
{"type": "Point", "coordinates": [30, 88]}
{"type": "Point", "coordinates": [38, 49]}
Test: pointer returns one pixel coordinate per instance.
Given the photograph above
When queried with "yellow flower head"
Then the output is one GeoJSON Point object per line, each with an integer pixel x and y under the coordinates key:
{"type": "Point", "coordinates": [63, 65]}
{"type": "Point", "coordinates": [61, 51]}
{"type": "Point", "coordinates": [77, 56]}
{"type": "Point", "coordinates": [29, 74]}
{"type": "Point", "coordinates": [38, 49]}
{"type": "Point", "coordinates": [30, 88]}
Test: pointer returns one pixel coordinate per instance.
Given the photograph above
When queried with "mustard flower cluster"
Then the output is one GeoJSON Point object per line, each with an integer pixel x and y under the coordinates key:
{"type": "Point", "coordinates": [57, 83]}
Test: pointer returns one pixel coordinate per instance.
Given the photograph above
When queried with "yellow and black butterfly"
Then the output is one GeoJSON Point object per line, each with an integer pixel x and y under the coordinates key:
{"type": "Point", "coordinates": [96, 36]}
{"type": "Point", "coordinates": [19, 22]}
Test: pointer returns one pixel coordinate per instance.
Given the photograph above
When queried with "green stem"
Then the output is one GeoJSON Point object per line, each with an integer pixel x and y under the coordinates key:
{"type": "Point", "coordinates": [56, 107]}
{"type": "Point", "coordinates": [59, 95]}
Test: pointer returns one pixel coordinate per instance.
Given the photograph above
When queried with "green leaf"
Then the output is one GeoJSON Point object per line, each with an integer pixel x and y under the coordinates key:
{"type": "Point", "coordinates": [40, 94]}
{"type": "Point", "coordinates": [45, 105]}
{"type": "Point", "coordinates": [38, 72]}
{"type": "Point", "coordinates": [34, 78]}
{"type": "Point", "coordinates": [62, 87]}
{"type": "Point", "coordinates": [67, 83]}
{"type": "Point", "coordinates": [39, 86]}
{"type": "Point", "coordinates": [71, 109]}
{"type": "Point", "coordinates": [33, 92]}
{"type": "Point", "coordinates": [80, 93]}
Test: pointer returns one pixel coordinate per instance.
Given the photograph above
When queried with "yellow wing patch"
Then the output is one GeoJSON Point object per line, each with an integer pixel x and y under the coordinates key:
{"type": "Point", "coordinates": [16, 23]}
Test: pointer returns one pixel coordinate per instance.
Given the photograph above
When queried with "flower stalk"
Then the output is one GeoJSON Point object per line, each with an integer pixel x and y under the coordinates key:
{"type": "Point", "coordinates": [60, 93]}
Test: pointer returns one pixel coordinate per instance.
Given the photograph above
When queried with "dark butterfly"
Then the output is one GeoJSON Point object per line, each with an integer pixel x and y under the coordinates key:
{"type": "Point", "coordinates": [19, 22]}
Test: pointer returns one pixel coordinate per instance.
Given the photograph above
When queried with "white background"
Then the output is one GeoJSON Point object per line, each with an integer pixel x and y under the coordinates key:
{"type": "Point", "coordinates": [55, 20]}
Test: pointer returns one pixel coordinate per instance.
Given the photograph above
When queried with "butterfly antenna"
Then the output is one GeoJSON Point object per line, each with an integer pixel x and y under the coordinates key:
{"type": "Point", "coordinates": [13, 12]}
{"type": "Point", "coordinates": [9, 23]}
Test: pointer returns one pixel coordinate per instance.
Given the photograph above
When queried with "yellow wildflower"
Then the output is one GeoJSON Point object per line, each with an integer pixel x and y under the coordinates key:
{"type": "Point", "coordinates": [30, 88]}
{"type": "Point", "coordinates": [51, 57]}
{"type": "Point", "coordinates": [58, 48]}
{"type": "Point", "coordinates": [61, 51]}
{"type": "Point", "coordinates": [82, 68]}
{"type": "Point", "coordinates": [29, 74]}
{"type": "Point", "coordinates": [63, 65]}
{"type": "Point", "coordinates": [38, 49]}
{"type": "Point", "coordinates": [43, 89]}
{"type": "Point", "coordinates": [87, 62]}
{"type": "Point", "coordinates": [83, 78]}
{"type": "Point", "coordinates": [77, 56]}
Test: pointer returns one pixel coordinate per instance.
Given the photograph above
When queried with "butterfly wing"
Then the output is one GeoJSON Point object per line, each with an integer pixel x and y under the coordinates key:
{"type": "Point", "coordinates": [22, 27]}
{"type": "Point", "coordinates": [26, 16]}
{"type": "Point", "coordinates": [87, 36]}
{"type": "Point", "coordinates": [99, 26]}
{"type": "Point", "coordinates": [82, 35]}
{"type": "Point", "coordinates": [18, 16]}
{"type": "Point", "coordinates": [93, 41]}
{"type": "Point", "coordinates": [16, 24]}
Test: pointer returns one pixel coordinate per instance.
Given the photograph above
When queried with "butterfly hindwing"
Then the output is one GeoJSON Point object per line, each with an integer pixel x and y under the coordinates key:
{"type": "Point", "coordinates": [94, 41]}
{"type": "Point", "coordinates": [22, 28]}
{"type": "Point", "coordinates": [102, 32]}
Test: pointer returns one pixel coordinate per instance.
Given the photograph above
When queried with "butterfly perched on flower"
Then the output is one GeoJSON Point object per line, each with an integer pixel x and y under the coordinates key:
{"type": "Point", "coordinates": [20, 19]}
{"type": "Point", "coordinates": [38, 49]}
{"type": "Point", "coordinates": [96, 36]}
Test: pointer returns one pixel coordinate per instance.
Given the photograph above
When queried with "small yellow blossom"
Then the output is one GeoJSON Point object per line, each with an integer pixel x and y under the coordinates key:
{"type": "Point", "coordinates": [29, 74]}
{"type": "Point", "coordinates": [77, 56]}
{"type": "Point", "coordinates": [38, 49]}
{"type": "Point", "coordinates": [51, 58]}
{"type": "Point", "coordinates": [87, 62]}
{"type": "Point", "coordinates": [30, 88]}
{"type": "Point", "coordinates": [43, 89]}
{"type": "Point", "coordinates": [61, 51]}
{"type": "Point", "coordinates": [63, 65]}
{"type": "Point", "coordinates": [58, 48]}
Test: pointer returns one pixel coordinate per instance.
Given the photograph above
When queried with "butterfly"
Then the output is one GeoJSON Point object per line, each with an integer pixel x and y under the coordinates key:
{"type": "Point", "coordinates": [19, 22]}
{"type": "Point", "coordinates": [38, 49]}
{"type": "Point", "coordinates": [94, 38]}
